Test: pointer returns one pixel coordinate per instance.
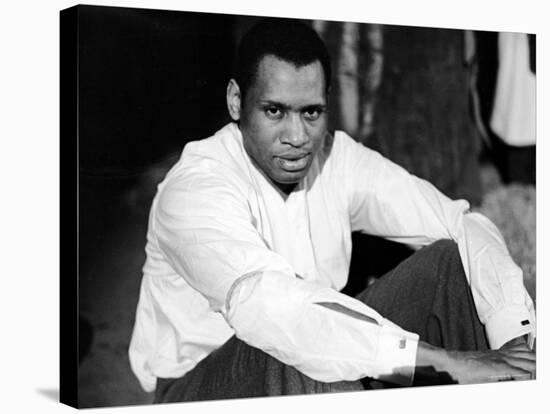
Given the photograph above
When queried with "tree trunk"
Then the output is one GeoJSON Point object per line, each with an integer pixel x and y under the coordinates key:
{"type": "Point", "coordinates": [404, 91]}
{"type": "Point", "coordinates": [422, 118]}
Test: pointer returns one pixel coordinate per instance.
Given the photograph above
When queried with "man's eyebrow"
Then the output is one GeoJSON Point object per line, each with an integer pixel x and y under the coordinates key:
{"type": "Point", "coordinates": [319, 106]}
{"type": "Point", "coordinates": [269, 102]}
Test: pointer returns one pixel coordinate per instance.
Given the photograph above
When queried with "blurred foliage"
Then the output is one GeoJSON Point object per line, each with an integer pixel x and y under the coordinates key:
{"type": "Point", "coordinates": [513, 210]}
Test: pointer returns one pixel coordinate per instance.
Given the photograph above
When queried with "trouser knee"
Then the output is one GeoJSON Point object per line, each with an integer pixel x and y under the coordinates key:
{"type": "Point", "coordinates": [443, 261]}
{"type": "Point", "coordinates": [444, 247]}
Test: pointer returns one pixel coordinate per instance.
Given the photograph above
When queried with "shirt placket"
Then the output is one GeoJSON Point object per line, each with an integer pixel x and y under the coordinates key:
{"type": "Point", "coordinates": [302, 253]}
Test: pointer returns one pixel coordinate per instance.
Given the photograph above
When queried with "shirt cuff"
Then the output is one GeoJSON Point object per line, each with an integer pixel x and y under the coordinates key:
{"type": "Point", "coordinates": [509, 323]}
{"type": "Point", "coordinates": [397, 352]}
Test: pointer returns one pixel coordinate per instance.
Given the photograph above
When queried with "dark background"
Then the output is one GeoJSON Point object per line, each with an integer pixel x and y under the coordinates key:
{"type": "Point", "coordinates": [149, 81]}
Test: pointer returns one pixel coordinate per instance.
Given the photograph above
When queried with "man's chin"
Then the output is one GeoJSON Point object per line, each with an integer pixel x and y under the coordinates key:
{"type": "Point", "coordinates": [291, 178]}
{"type": "Point", "coordinates": [286, 182]}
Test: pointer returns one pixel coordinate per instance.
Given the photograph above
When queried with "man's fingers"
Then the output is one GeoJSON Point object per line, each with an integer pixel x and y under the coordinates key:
{"type": "Point", "coordinates": [522, 363]}
{"type": "Point", "coordinates": [530, 355]}
{"type": "Point", "coordinates": [517, 347]}
{"type": "Point", "coordinates": [513, 374]}
{"type": "Point", "coordinates": [527, 355]}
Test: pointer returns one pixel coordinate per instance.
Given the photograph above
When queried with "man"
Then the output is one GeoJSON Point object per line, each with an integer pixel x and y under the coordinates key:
{"type": "Point", "coordinates": [249, 243]}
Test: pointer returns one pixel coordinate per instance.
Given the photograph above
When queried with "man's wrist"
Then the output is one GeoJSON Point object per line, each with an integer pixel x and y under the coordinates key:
{"type": "Point", "coordinates": [432, 365]}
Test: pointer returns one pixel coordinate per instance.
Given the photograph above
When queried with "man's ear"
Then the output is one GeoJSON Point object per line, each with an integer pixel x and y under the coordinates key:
{"type": "Point", "coordinates": [234, 100]}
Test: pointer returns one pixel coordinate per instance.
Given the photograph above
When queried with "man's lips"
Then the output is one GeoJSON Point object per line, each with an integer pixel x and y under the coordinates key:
{"type": "Point", "coordinates": [293, 156]}
{"type": "Point", "coordinates": [293, 162]}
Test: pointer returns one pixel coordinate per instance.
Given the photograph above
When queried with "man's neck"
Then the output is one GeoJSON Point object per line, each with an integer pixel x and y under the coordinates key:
{"type": "Point", "coordinates": [285, 189]}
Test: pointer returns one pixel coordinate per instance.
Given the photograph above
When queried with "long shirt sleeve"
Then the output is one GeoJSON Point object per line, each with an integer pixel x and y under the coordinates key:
{"type": "Point", "coordinates": [389, 202]}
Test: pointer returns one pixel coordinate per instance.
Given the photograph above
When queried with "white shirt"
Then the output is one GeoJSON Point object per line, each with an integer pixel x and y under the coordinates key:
{"type": "Point", "coordinates": [514, 112]}
{"type": "Point", "coordinates": [227, 255]}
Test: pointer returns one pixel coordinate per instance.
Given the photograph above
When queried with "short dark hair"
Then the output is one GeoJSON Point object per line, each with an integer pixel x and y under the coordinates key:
{"type": "Point", "coordinates": [287, 39]}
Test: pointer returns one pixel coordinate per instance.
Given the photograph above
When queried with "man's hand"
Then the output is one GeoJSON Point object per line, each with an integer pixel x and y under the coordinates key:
{"type": "Point", "coordinates": [513, 361]}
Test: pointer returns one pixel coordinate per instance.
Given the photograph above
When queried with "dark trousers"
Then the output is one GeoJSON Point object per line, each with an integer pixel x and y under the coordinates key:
{"type": "Point", "coordinates": [426, 294]}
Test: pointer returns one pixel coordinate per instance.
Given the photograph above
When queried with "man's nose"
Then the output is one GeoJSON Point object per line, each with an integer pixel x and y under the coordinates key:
{"type": "Point", "coordinates": [295, 133]}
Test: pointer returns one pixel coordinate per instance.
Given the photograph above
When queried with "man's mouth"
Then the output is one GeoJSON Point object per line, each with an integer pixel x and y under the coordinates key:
{"type": "Point", "coordinates": [294, 162]}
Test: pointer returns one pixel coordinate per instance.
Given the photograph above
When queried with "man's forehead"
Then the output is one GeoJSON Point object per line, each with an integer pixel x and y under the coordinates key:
{"type": "Point", "coordinates": [277, 63]}
{"type": "Point", "coordinates": [279, 77]}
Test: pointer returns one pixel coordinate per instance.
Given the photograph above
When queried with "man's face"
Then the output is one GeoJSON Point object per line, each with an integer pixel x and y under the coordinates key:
{"type": "Point", "coordinates": [283, 119]}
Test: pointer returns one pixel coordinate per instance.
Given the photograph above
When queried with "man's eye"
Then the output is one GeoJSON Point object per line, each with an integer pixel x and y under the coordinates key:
{"type": "Point", "coordinates": [312, 114]}
{"type": "Point", "coordinates": [273, 112]}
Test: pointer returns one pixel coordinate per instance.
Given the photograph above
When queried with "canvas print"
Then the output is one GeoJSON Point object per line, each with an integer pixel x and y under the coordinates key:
{"type": "Point", "coordinates": [279, 206]}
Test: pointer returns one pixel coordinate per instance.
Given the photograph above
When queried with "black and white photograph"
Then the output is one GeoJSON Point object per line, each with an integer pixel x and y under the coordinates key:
{"type": "Point", "coordinates": [292, 208]}
{"type": "Point", "coordinates": [274, 206]}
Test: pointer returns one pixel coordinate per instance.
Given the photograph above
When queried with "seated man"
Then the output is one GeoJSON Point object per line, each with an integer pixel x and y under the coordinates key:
{"type": "Point", "coordinates": [249, 243]}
